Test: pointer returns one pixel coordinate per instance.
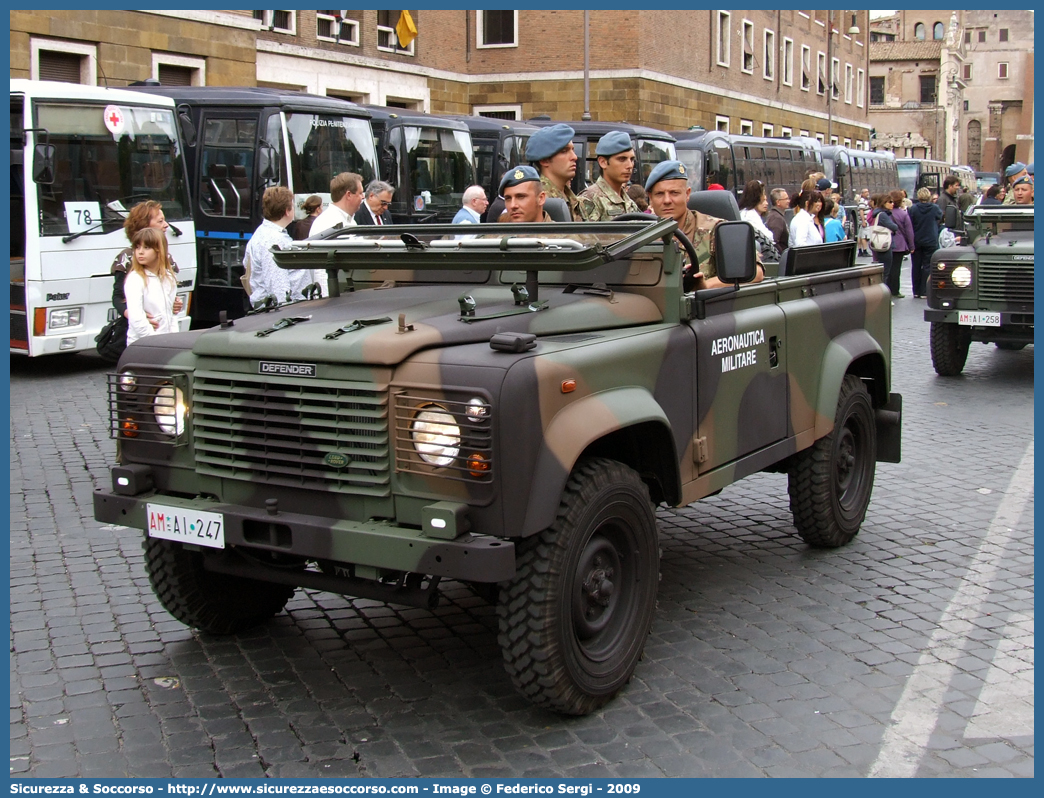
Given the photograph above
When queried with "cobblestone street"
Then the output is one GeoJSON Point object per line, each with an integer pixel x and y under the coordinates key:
{"type": "Point", "coordinates": [908, 652]}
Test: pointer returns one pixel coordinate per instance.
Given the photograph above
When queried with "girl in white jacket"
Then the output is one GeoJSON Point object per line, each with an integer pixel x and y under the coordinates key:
{"type": "Point", "coordinates": [150, 287]}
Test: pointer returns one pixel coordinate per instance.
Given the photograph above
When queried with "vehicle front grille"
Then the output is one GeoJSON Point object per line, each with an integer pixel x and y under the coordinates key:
{"type": "Point", "coordinates": [1005, 281]}
{"type": "Point", "coordinates": [313, 434]}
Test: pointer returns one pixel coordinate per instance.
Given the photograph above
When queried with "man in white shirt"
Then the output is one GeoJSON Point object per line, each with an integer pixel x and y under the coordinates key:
{"type": "Point", "coordinates": [266, 278]}
{"type": "Point", "coordinates": [346, 195]}
{"type": "Point", "coordinates": [474, 202]}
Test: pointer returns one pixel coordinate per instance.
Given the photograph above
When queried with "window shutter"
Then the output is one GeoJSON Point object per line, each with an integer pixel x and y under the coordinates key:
{"type": "Point", "coordinates": [64, 67]}
{"type": "Point", "coordinates": [170, 75]}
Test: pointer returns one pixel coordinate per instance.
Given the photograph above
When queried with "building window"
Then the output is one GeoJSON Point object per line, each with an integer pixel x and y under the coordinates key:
{"type": "Point", "coordinates": [803, 133]}
{"type": "Point", "coordinates": [982, 36]}
{"type": "Point", "coordinates": [848, 142]}
{"type": "Point", "coordinates": [746, 127]}
{"type": "Point", "coordinates": [1004, 34]}
{"type": "Point", "coordinates": [877, 96]}
{"type": "Point", "coordinates": [498, 111]}
{"type": "Point", "coordinates": [849, 83]}
{"type": "Point", "coordinates": [179, 70]}
{"type": "Point", "coordinates": [497, 28]}
{"type": "Point", "coordinates": [967, 37]}
{"type": "Point", "coordinates": [786, 132]}
{"type": "Point", "coordinates": [723, 37]}
{"type": "Point", "coordinates": [788, 62]}
{"type": "Point", "coordinates": [835, 78]}
{"type": "Point", "coordinates": [919, 31]}
{"type": "Point", "coordinates": [834, 140]}
{"type": "Point", "coordinates": [748, 47]}
{"type": "Point", "coordinates": [937, 31]}
{"type": "Point", "coordinates": [806, 68]}
{"type": "Point", "coordinates": [821, 75]}
{"type": "Point", "coordinates": [387, 39]}
{"type": "Point", "coordinates": [721, 123]}
{"type": "Point", "coordinates": [927, 89]}
{"type": "Point", "coordinates": [278, 21]}
{"type": "Point", "coordinates": [767, 131]}
{"type": "Point", "coordinates": [330, 27]}
{"type": "Point", "coordinates": [860, 87]}
{"type": "Point", "coordinates": [1002, 70]}
{"type": "Point", "coordinates": [967, 71]}
{"type": "Point", "coordinates": [68, 62]}
{"type": "Point", "coordinates": [769, 56]}
{"type": "Point", "coordinates": [820, 138]}
{"type": "Point", "coordinates": [965, 105]}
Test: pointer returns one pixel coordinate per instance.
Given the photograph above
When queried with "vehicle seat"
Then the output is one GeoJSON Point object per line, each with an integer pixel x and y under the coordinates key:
{"type": "Point", "coordinates": [722, 204]}
{"type": "Point", "coordinates": [557, 209]}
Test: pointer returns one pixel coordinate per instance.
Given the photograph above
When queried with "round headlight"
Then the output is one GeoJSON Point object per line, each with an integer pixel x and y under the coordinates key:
{"type": "Point", "coordinates": [169, 409]}
{"type": "Point", "coordinates": [961, 277]}
{"type": "Point", "coordinates": [436, 436]}
{"type": "Point", "coordinates": [128, 382]}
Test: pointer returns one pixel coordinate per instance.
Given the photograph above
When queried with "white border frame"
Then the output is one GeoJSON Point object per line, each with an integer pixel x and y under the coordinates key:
{"type": "Point", "coordinates": [88, 52]}
{"type": "Point", "coordinates": [517, 109]}
{"type": "Point", "coordinates": [478, 32]}
{"type": "Point", "coordinates": [723, 20]}
{"type": "Point", "coordinates": [199, 65]}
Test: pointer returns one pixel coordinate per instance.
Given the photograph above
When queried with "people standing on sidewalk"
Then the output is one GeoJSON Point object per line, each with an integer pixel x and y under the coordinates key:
{"type": "Point", "coordinates": [882, 215]}
{"type": "Point", "coordinates": [902, 239]}
{"type": "Point", "coordinates": [926, 219]}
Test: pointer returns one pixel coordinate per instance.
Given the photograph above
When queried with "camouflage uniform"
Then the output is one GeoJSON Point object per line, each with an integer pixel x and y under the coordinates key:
{"type": "Point", "coordinates": [699, 228]}
{"type": "Point", "coordinates": [580, 208]}
{"type": "Point", "coordinates": [607, 204]}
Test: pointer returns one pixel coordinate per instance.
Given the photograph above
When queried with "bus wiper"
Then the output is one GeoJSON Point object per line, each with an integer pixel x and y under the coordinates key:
{"type": "Point", "coordinates": [74, 236]}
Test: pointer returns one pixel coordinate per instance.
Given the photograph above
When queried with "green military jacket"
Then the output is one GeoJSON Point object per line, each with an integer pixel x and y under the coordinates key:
{"type": "Point", "coordinates": [580, 208]}
{"type": "Point", "coordinates": [607, 204]}
{"type": "Point", "coordinates": [699, 228]}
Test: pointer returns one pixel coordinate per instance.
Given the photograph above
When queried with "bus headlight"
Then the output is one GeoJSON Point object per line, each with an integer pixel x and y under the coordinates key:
{"type": "Point", "coordinates": [436, 436]}
{"type": "Point", "coordinates": [64, 317]}
{"type": "Point", "coordinates": [169, 408]}
{"type": "Point", "coordinates": [961, 277]}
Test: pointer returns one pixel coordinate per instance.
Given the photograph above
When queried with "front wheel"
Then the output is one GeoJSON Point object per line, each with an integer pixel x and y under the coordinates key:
{"type": "Point", "coordinates": [574, 619]}
{"type": "Point", "coordinates": [830, 482]}
{"type": "Point", "coordinates": [950, 345]}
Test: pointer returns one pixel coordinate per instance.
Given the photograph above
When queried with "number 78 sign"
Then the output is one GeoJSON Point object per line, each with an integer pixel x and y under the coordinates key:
{"type": "Point", "coordinates": [82, 215]}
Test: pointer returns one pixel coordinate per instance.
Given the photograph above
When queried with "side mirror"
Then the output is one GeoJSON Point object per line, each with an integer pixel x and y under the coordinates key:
{"type": "Point", "coordinates": [188, 130]}
{"type": "Point", "coordinates": [840, 168]}
{"type": "Point", "coordinates": [713, 162]}
{"type": "Point", "coordinates": [735, 252]}
{"type": "Point", "coordinates": [389, 166]}
{"type": "Point", "coordinates": [43, 164]}
{"type": "Point", "coordinates": [952, 217]}
{"type": "Point", "coordinates": [267, 163]}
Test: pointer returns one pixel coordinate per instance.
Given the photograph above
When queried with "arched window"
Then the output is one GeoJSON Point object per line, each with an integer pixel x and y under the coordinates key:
{"type": "Point", "coordinates": [937, 30]}
{"type": "Point", "coordinates": [919, 31]}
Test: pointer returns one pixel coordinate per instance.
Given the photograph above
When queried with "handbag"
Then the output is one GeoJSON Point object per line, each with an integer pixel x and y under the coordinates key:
{"type": "Point", "coordinates": [112, 339]}
{"type": "Point", "coordinates": [880, 238]}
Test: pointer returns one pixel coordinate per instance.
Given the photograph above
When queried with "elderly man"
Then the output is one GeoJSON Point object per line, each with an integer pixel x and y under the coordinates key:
{"type": "Point", "coordinates": [374, 208]}
{"type": "Point", "coordinates": [668, 190]}
{"type": "Point", "coordinates": [1022, 190]}
{"type": "Point", "coordinates": [776, 218]}
{"type": "Point", "coordinates": [1013, 173]}
{"type": "Point", "coordinates": [524, 195]}
{"type": "Point", "coordinates": [346, 195]}
{"type": "Point", "coordinates": [616, 160]}
{"type": "Point", "coordinates": [474, 203]}
{"type": "Point", "coordinates": [550, 151]}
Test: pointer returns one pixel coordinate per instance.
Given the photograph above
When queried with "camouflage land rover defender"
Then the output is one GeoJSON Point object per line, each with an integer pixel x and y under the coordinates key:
{"type": "Point", "coordinates": [982, 290]}
{"type": "Point", "coordinates": [505, 410]}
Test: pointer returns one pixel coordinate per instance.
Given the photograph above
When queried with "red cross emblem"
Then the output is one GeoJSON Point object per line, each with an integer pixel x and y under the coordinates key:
{"type": "Point", "coordinates": [113, 119]}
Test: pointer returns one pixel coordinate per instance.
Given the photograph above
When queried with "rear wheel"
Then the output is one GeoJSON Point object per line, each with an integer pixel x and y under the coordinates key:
{"type": "Point", "coordinates": [949, 348]}
{"type": "Point", "coordinates": [830, 483]}
{"type": "Point", "coordinates": [574, 620]}
{"type": "Point", "coordinates": [211, 602]}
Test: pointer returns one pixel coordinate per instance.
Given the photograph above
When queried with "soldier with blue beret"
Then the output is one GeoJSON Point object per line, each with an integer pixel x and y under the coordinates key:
{"type": "Point", "coordinates": [550, 150]}
{"type": "Point", "coordinates": [523, 193]}
{"type": "Point", "coordinates": [1013, 173]}
{"type": "Point", "coordinates": [615, 154]}
{"type": "Point", "coordinates": [668, 190]}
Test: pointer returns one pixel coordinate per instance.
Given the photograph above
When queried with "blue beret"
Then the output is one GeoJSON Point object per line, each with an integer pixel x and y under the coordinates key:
{"type": "Point", "coordinates": [666, 170]}
{"type": "Point", "coordinates": [612, 143]}
{"type": "Point", "coordinates": [547, 141]}
{"type": "Point", "coordinates": [1029, 167]}
{"type": "Point", "coordinates": [1021, 180]}
{"type": "Point", "coordinates": [516, 175]}
{"type": "Point", "coordinates": [1014, 169]}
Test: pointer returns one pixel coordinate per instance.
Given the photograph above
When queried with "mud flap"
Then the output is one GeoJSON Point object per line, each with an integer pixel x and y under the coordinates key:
{"type": "Point", "coordinates": [889, 422]}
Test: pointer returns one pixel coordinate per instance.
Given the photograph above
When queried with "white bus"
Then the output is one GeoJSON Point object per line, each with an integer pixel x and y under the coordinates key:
{"type": "Point", "coordinates": [81, 157]}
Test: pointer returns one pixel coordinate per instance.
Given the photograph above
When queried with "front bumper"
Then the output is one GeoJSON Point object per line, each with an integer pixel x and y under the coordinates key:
{"type": "Point", "coordinates": [376, 544]}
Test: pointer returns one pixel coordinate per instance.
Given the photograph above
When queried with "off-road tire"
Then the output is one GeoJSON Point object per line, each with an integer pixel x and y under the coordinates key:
{"type": "Point", "coordinates": [1010, 346]}
{"type": "Point", "coordinates": [949, 348]}
{"type": "Point", "coordinates": [211, 602]}
{"type": "Point", "coordinates": [830, 483]}
{"type": "Point", "coordinates": [574, 620]}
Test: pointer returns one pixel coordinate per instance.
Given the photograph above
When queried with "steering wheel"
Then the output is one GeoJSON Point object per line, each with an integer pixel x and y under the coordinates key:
{"type": "Point", "coordinates": [683, 239]}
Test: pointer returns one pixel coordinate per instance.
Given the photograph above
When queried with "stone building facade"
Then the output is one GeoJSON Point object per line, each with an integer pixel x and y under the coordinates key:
{"type": "Point", "coordinates": [761, 72]}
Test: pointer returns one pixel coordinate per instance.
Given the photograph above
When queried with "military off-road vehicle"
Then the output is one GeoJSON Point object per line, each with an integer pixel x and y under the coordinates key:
{"type": "Point", "coordinates": [982, 289]}
{"type": "Point", "coordinates": [503, 409]}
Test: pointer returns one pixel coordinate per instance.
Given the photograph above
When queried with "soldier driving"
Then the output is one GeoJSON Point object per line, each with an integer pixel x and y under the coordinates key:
{"type": "Point", "coordinates": [616, 160]}
{"type": "Point", "coordinates": [550, 151]}
{"type": "Point", "coordinates": [668, 190]}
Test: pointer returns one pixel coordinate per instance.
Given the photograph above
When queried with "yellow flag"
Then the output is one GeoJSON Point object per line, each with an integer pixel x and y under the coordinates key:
{"type": "Point", "coordinates": [405, 29]}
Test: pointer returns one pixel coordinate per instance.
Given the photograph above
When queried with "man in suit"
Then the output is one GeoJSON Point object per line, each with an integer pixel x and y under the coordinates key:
{"type": "Point", "coordinates": [374, 208]}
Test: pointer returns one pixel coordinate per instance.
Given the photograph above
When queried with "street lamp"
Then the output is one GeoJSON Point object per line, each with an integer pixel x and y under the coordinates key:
{"type": "Point", "coordinates": [853, 30]}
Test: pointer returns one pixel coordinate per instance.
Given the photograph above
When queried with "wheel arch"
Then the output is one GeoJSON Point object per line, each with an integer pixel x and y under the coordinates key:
{"type": "Point", "coordinates": [624, 424]}
{"type": "Point", "coordinates": [854, 352]}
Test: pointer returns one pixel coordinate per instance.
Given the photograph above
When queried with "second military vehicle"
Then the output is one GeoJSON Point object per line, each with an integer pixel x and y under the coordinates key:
{"type": "Point", "coordinates": [982, 290]}
{"type": "Point", "coordinates": [506, 410]}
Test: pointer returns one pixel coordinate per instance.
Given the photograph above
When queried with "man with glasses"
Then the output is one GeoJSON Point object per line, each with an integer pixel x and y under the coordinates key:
{"type": "Point", "coordinates": [374, 210]}
{"type": "Point", "coordinates": [346, 195]}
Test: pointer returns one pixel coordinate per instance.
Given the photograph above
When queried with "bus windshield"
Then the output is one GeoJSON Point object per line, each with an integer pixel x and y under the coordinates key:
{"type": "Point", "coordinates": [439, 163]}
{"type": "Point", "coordinates": [324, 145]}
{"type": "Point", "coordinates": [651, 152]}
{"type": "Point", "coordinates": [908, 177]}
{"type": "Point", "coordinates": [107, 159]}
